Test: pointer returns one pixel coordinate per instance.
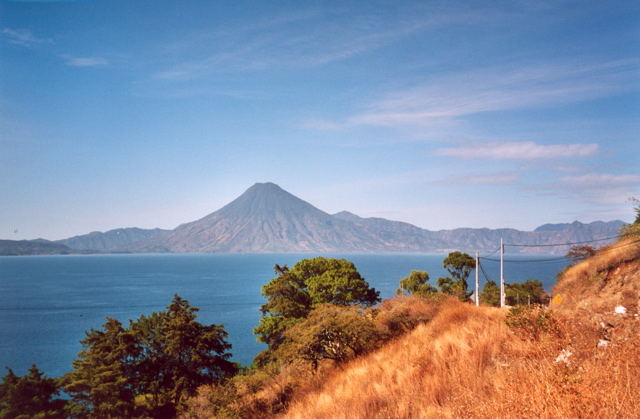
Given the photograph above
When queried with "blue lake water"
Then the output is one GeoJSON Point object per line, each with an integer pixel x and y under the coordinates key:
{"type": "Point", "coordinates": [48, 302]}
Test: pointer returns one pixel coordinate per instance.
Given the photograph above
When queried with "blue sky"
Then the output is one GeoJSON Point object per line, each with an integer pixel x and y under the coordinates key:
{"type": "Point", "coordinates": [442, 114]}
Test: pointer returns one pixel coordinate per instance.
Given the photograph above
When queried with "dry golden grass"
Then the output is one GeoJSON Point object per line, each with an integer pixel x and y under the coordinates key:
{"type": "Point", "coordinates": [609, 278]}
{"type": "Point", "coordinates": [266, 392]}
{"type": "Point", "coordinates": [466, 363]}
{"type": "Point", "coordinates": [463, 361]}
{"type": "Point", "coordinates": [415, 375]}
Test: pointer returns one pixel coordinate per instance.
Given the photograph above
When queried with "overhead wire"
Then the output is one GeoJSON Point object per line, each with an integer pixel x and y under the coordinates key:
{"type": "Point", "coordinates": [484, 273]}
{"type": "Point", "coordinates": [492, 253]}
{"type": "Point", "coordinates": [528, 260]}
{"type": "Point", "coordinates": [562, 244]}
{"type": "Point", "coordinates": [558, 258]}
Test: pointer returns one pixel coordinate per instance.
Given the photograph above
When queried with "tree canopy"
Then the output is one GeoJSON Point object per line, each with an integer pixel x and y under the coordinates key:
{"type": "Point", "coordinates": [579, 253]}
{"type": "Point", "coordinates": [528, 292]}
{"type": "Point", "coordinates": [459, 266]}
{"type": "Point", "coordinates": [30, 396]}
{"type": "Point", "coordinates": [416, 283]}
{"type": "Point", "coordinates": [150, 367]}
{"type": "Point", "coordinates": [295, 292]}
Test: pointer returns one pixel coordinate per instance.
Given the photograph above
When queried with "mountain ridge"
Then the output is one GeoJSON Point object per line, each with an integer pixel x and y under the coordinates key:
{"type": "Point", "coordinates": [268, 219]}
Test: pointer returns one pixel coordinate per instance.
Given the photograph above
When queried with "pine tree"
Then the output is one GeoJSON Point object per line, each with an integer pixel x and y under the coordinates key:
{"type": "Point", "coordinates": [30, 396]}
{"type": "Point", "coordinates": [101, 382]}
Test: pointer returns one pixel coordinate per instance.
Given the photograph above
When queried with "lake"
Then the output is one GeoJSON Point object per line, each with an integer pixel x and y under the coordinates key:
{"type": "Point", "coordinates": [48, 302]}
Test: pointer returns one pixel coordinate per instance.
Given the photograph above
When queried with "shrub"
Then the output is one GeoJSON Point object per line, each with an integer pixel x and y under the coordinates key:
{"type": "Point", "coordinates": [330, 332]}
{"type": "Point", "coordinates": [402, 314]}
{"type": "Point", "coordinates": [531, 322]}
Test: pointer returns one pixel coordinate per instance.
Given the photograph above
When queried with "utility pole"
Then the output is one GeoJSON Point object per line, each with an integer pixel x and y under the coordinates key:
{"type": "Point", "coordinates": [477, 280]}
{"type": "Point", "coordinates": [502, 294]}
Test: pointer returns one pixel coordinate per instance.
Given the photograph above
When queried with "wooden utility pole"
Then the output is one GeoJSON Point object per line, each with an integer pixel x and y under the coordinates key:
{"type": "Point", "coordinates": [477, 279]}
{"type": "Point", "coordinates": [502, 294]}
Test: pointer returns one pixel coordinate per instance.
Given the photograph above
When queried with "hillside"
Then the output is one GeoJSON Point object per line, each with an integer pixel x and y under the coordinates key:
{"type": "Point", "coordinates": [459, 360]}
{"type": "Point", "coordinates": [33, 247]}
{"type": "Point", "coordinates": [120, 239]}
{"type": "Point", "coordinates": [268, 219]}
{"type": "Point", "coordinates": [467, 362]}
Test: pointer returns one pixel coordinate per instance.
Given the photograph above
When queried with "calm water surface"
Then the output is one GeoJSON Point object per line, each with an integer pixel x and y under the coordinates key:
{"type": "Point", "coordinates": [47, 302]}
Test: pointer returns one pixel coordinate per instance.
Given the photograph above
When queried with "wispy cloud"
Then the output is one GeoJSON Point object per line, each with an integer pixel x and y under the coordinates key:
{"type": "Point", "coordinates": [85, 61]}
{"type": "Point", "coordinates": [495, 89]}
{"type": "Point", "coordinates": [496, 179]}
{"type": "Point", "coordinates": [320, 125]}
{"type": "Point", "coordinates": [479, 179]}
{"type": "Point", "coordinates": [603, 189]}
{"type": "Point", "coordinates": [23, 37]}
{"type": "Point", "coordinates": [303, 39]}
{"type": "Point", "coordinates": [601, 179]}
{"type": "Point", "coordinates": [523, 150]}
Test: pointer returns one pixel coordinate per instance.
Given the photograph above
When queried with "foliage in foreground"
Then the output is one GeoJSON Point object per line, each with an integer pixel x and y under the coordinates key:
{"type": "Point", "coordinates": [295, 292]}
{"type": "Point", "coordinates": [331, 336]}
{"type": "Point", "coordinates": [30, 396]}
{"type": "Point", "coordinates": [330, 332]}
{"type": "Point", "coordinates": [149, 368]}
{"type": "Point", "coordinates": [531, 322]}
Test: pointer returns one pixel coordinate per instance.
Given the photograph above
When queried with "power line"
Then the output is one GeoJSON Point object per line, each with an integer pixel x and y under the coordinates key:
{"type": "Point", "coordinates": [492, 253]}
{"type": "Point", "coordinates": [484, 273]}
{"type": "Point", "coordinates": [559, 258]}
{"type": "Point", "coordinates": [527, 260]}
{"type": "Point", "coordinates": [563, 244]}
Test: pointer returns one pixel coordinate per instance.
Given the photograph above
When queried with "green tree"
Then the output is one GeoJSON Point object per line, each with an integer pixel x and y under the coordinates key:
{"type": "Point", "coordinates": [528, 292]}
{"type": "Point", "coordinates": [636, 209]}
{"type": "Point", "coordinates": [296, 291]}
{"type": "Point", "coordinates": [150, 368]}
{"type": "Point", "coordinates": [416, 283]}
{"type": "Point", "coordinates": [180, 354]}
{"type": "Point", "coordinates": [459, 266]}
{"type": "Point", "coordinates": [490, 294]}
{"type": "Point", "coordinates": [30, 396]}
{"type": "Point", "coordinates": [633, 229]}
{"type": "Point", "coordinates": [100, 382]}
{"type": "Point", "coordinates": [579, 253]}
{"type": "Point", "coordinates": [329, 332]}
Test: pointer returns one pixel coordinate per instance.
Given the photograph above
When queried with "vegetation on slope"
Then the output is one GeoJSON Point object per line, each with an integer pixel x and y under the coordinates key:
{"type": "Point", "coordinates": [528, 362]}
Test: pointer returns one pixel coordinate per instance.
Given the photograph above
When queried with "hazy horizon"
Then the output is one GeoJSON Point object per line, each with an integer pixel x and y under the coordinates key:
{"type": "Point", "coordinates": [171, 228]}
{"type": "Point", "coordinates": [443, 115]}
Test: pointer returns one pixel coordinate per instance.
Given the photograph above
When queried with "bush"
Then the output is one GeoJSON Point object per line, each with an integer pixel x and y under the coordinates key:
{"type": "Point", "coordinates": [401, 314]}
{"type": "Point", "coordinates": [531, 322]}
{"type": "Point", "coordinates": [330, 332]}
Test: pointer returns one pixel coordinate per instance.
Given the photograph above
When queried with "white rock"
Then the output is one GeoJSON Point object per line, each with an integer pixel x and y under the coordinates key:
{"type": "Point", "coordinates": [620, 310]}
{"type": "Point", "coordinates": [564, 356]}
{"type": "Point", "coordinates": [602, 342]}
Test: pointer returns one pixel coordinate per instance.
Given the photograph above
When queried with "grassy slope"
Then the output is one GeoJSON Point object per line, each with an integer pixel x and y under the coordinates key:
{"type": "Point", "coordinates": [467, 363]}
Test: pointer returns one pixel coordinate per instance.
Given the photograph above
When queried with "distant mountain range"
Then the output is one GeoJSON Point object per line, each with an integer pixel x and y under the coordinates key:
{"type": "Point", "coordinates": [120, 239]}
{"type": "Point", "coordinates": [268, 219]}
{"type": "Point", "coordinates": [33, 247]}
